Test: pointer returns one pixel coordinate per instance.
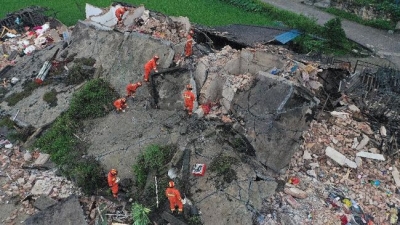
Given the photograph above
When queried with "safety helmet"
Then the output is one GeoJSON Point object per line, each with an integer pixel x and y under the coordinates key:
{"type": "Point", "coordinates": [139, 83]}
{"type": "Point", "coordinates": [189, 87]}
{"type": "Point", "coordinates": [171, 184]}
{"type": "Point", "coordinates": [114, 171]}
{"type": "Point", "coordinates": [156, 57]}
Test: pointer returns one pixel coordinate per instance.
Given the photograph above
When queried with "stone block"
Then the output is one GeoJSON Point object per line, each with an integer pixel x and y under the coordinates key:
{"type": "Point", "coordinates": [42, 187]}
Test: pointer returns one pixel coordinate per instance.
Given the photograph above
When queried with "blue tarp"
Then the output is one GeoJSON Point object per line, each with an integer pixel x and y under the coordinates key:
{"type": "Point", "coordinates": [288, 36]}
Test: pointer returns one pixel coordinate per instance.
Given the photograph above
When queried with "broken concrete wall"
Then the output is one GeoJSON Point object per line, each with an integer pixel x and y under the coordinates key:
{"type": "Point", "coordinates": [273, 113]}
{"type": "Point", "coordinates": [67, 211]}
{"type": "Point", "coordinates": [218, 81]}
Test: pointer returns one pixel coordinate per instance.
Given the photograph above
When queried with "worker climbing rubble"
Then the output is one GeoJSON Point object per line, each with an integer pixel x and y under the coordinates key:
{"type": "Point", "coordinates": [131, 89]}
{"type": "Point", "coordinates": [120, 104]}
{"type": "Point", "coordinates": [119, 13]}
{"type": "Point", "coordinates": [113, 181]}
{"type": "Point", "coordinates": [189, 44]}
{"type": "Point", "coordinates": [150, 66]}
{"type": "Point", "coordinates": [174, 197]}
{"type": "Point", "coordinates": [189, 99]}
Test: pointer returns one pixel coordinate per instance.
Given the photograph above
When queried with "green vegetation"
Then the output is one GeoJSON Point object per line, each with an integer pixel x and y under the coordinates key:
{"type": "Point", "coordinates": [377, 23]}
{"type": "Point", "coordinates": [153, 158]}
{"type": "Point", "coordinates": [81, 71]}
{"type": "Point", "coordinates": [51, 97]}
{"type": "Point", "coordinates": [63, 146]}
{"type": "Point", "coordinates": [140, 214]}
{"type": "Point", "coordinates": [195, 220]}
{"type": "Point", "coordinates": [15, 133]}
{"type": "Point", "coordinates": [29, 87]}
{"type": "Point", "coordinates": [222, 166]}
{"type": "Point", "coordinates": [7, 122]}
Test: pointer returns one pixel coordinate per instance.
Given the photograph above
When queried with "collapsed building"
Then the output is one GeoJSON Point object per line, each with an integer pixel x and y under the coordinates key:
{"type": "Point", "coordinates": [259, 100]}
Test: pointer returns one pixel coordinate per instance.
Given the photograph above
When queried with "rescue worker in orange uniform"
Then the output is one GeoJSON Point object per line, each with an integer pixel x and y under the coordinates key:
{"type": "Point", "coordinates": [131, 89]}
{"type": "Point", "coordinates": [113, 182]}
{"type": "Point", "coordinates": [149, 66]}
{"type": "Point", "coordinates": [189, 44]}
{"type": "Point", "coordinates": [119, 13]}
{"type": "Point", "coordinates": [120, 104]}
{"type": "Point", "coordinates": [189, 99]}
{"type": "Point", "coordinates": [174, 197]}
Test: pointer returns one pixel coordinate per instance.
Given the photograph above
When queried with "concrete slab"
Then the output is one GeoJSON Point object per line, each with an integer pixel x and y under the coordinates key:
{"type": "Point", "coordinates": [68, 211]}
{"type": "Point", "coordinates": [44, 202]}
{"type": "Point", "coordinates": [107, 19]}
{"type": "Point", "coordinates": [91, 10]}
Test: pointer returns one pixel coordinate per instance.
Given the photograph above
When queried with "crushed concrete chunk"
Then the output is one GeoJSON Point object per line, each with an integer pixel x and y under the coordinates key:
{"type": "Point", "coordinates": [307, 155]}
{"type": "Point", "coordinates": [363, 142]}
{"type": "Point", "coordinates": [396, 176]}
{"type": "Point", "coordinates": [382, 131]}
{"type": "Point", "coordinates": [339, 158]}
{"type": "Point", "coordinates": [371, 155]}
{"type": "Point", "coordinates": [42, 187]}
{"type": "Point", "coordinates": [354, 109]}
{"type": "Point", "coordinates": [342, 115]}
{"type": "Point", "coordinates": [42, 159]}
{"type": "Point", "coordinates": [295, 192]}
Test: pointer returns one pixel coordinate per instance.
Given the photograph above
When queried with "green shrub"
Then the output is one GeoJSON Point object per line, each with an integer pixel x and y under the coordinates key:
{"type": "Point", "coordinates": [334, 33]}
{"type": "Point", "coordinates": [81, 71]}
{"type": "Point", "coordinates": [152, 158]}
{"type": "Point", "coordinates": [93, 100]}
{"type": "Point", "coordinates": [51, 97]}
{"type": "Point", "coordinates": [7, 122]}
{"type": "Point", "coordinates": [83, 175]}
{"type": "Point", "coordinates": [140, 214]}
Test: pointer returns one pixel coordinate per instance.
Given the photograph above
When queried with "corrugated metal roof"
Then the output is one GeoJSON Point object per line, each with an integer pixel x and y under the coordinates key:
{"type": "Point", "coordinates": [288, 36]}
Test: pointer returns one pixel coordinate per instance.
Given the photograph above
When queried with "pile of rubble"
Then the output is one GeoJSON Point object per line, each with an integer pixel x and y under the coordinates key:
{"type": "Point", "coordinates": [27, 178]}
{"type": "Point", "coordinates": [340, 175]}
{"type": "Point", "coordinates": [138, 19]}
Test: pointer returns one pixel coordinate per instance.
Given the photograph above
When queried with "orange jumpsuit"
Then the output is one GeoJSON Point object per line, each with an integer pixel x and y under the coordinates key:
{"type": "Point", "coordinates": [119, 13]}
{"type": "Point", "coordinates": [189, 99]}
{"type": "Point", "coordinates": [174, 198]}
{"type": "Point", "coordinates": [119, 104]}
{"type": "Point", "coordinates": [112, 183]}
{"type": "Point", "coordinates": [131, 89]}
{"type": "Point", "coordinates": [150, 65]}
{"type": "Point", "coordinates": [188, 46]}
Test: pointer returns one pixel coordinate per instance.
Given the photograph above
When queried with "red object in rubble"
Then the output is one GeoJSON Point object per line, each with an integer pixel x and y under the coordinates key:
{"type": "Point", "coordinates": [206, 108]}
{"type": "Point", "coordinates": [38, 81]}
{"type": "Point", "coordinates": [344, 219]}
{"type": "Point", "coordinates": [294, 180]}
{"type": "Point", "coordinates": [199, 169]}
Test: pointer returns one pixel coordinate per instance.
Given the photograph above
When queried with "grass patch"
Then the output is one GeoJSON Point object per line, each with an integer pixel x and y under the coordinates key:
{"type": "Point", "coordinates": [152, 158]}
{"type": "Point", "coordinates": [65, 149]}
{"type": "Point", "coordinates": [51, 97]}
